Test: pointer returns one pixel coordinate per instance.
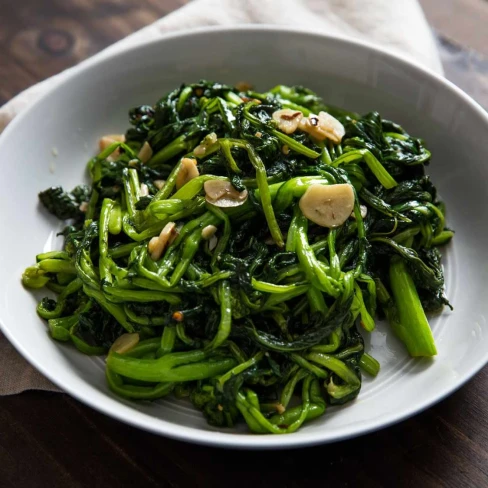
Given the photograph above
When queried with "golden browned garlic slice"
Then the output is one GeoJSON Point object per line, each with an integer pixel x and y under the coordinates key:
{"type": "Point", "coordinates": [323, 126]}
{"type": "Point", "coordinates": [125, 343]}
{"type": "Point", "coordinates": [145, 153]}
{"type": "Point", "coordinates": [159, 184]}
{"type": "Point", "coordinates": [208, 140]}
{"type": "Point", "coordinates": [188, 170]}
{"type": "Point", "coordinates": [327, 205]}
{"type": "Point", "coordinates": [208, 232]}
{"type": "Point", "coordinates": [222, 194]}
{"type": "Point", "coordinates": [158, 244]}
{"type": "Point", "coordinates": [287, 119]}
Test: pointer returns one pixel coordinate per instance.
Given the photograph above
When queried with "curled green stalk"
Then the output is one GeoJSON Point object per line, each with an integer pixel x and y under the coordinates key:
{"type": "Point", "coordinates": [46, 312]}
{"type": "Point", "coordinates": [136, 392]}
{"type": "Point", "coordinates": [351, 381]}
{"type": "Point", "coordinates": [312, 406]}
{"type": "Point", "coordinates": [315, 273]}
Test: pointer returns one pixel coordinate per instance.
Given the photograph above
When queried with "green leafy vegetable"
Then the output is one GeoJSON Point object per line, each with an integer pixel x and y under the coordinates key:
{"type": "Point", "coordinates": [247, 308]}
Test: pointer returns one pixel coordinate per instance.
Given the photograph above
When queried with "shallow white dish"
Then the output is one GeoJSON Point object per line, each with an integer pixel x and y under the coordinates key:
{"type": "Point", "coordinates": [95, 100]}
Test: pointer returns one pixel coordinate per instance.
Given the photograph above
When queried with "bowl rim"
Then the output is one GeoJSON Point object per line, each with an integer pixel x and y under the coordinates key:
{"type": "Point", "coordinates": [220, 438]}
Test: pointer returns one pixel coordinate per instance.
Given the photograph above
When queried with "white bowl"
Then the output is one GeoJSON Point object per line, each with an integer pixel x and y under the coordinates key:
{"type": "Point", "coordinates": [351, 74]}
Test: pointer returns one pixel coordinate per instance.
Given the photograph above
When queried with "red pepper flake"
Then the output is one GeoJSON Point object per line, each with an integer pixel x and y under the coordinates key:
{"type": "Point", "coordinates": [178, 316]}
{"type": "Point", "coordinates": [247, 99]}
{"type": "Point", "coordinates": [291, 116]}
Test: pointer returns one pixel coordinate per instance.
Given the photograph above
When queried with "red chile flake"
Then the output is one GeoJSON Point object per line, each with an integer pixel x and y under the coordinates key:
{"type": "Point", "coordinates": [247, 99]}
{"type": "Point", "coordinates": [178, 316]}
{"type": "Point", "coordinates": [291, 117]}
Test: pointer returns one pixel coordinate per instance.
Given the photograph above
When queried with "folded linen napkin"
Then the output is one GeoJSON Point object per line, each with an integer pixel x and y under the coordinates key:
{"type": "Point", "coordinates": [399, 26]}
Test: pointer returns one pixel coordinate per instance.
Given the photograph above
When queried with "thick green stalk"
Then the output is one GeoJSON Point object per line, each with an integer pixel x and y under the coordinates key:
{"type": "Point", "coordinates": [413, 328]}
{"type": "Point", "coordinates": [175, 366]}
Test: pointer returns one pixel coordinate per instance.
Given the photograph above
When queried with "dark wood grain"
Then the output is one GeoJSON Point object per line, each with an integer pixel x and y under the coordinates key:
{"type": "Point", "coordinates": [51, 440]}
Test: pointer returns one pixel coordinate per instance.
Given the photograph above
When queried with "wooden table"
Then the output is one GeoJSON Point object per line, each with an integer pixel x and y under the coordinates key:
{"type": "Point", "coordinates": [49, 439]}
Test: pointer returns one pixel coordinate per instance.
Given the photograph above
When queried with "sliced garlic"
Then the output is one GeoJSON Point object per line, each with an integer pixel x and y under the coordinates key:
{"type": "Point", "coordinates": [363, 210]}
{"type": "Point", "coordinates": [144, 190]}
{"type": "Point", "coordinates": [212, 243]}
{"type": "Point", "coordinates": [323, 126]}
{"type": "Point", "coordinates": [187, 172]}
{"type": "Point", "coordinates": [145, 153]}
{"type": "Point", "coordinates": [175, 233]}
{"type": "Point", "coordinates": [125, 343]}
{"type": "Point", "coordinates": [327, 205]}
{"type": "Point", "coordinates": [222, 194]}
{"type": "Point", "coordinates": [109, 139]}
{"type": "Point", "coordinates": [208, 140]}
{"type": "Point", "coordinates": [157, 245]}
{"type": "Point", "coordinates": [159, 184]}
{"type": "Point", "coordinates": [200, 151]}
{"type": "Point", "coordinates": [288, 120]}
{"type": "Point", "coordinates": [280, 408]}
{"type": "Point", "coordinates": [208, 232]}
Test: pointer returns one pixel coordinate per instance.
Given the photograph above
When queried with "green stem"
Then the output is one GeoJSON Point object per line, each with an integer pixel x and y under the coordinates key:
{"type": "Point", "coordinates": [414, 329]}
{"type": "Point", "coordinates": [225, 316]}
{"type": "Point", "coordinates": [369, 364]}
{"type": "Point", "coordinates": [175, 366]}
{"type": "Point", "coordinates": [373, 164]}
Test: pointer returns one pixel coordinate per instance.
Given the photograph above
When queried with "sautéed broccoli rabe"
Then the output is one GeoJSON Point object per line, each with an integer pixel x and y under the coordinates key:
{"type": "Point", "coordinates": [232, 243]}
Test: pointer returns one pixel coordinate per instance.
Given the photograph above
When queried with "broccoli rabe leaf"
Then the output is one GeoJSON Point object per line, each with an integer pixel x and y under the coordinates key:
{"type": "Point", "coordinates": [97, 327]}
{"type": "Point", "coordinates": [61, 204]}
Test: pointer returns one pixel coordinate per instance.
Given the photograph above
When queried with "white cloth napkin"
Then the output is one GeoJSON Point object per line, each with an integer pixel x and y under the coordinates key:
{"type": "Point", "coordinates": [395, 24]}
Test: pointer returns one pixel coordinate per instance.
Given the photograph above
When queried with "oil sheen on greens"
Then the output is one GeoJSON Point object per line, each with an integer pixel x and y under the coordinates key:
{"type": "Point", "coordinates": [261, 323]}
